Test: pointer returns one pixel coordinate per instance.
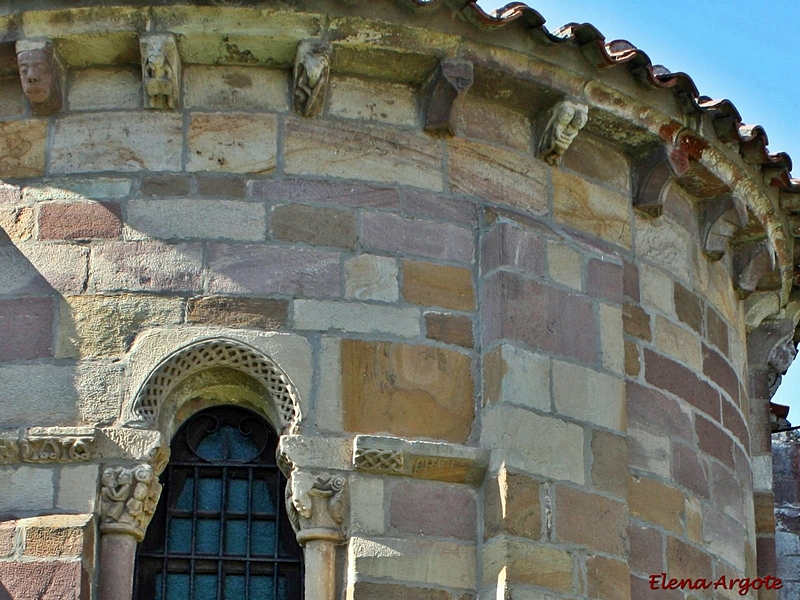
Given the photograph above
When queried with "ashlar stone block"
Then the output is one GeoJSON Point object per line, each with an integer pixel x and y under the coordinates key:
{"type": "Point", "coordinates": [516, 376]}
{"type": "Point", "coordinates": [370, 277]}
{"type": "Point", "coordinates": [589, 395]}
{"type": "Point", "coordinates": [235, 143]}
{"type": "Point", "coordinates": [22, 146]}
{"type": "Point", "coordinates": [527, 563]}
{"type": "Point", "coordinates": [354, 317]}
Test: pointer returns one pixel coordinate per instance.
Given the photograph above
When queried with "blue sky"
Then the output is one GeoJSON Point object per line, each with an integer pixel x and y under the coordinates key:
{"type": "Point", "coordinates": [745, 50]}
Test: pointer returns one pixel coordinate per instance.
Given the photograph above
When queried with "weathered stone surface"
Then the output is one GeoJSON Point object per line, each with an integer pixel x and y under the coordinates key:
{"type": "Point", "coordinates": [80, 220]}
{"type": "Point", "coordinates": [450, 329]}
{"type": "Point", "coordinates": [434, 563]}
{"type": "Point", "coordinates": [77, 488]}
{"type": "Point", "coordinates": [117, 141]}
{"type": "Point", "coordinates": [512, 506]}
{"type": "Point", "coordinates": [321, 315]}
{"type": "Point", "coordinates": [190, 218]}
{"type": "Point", "coordinates": [481, 118]}
{"type": "Point", "coordinates": [591, 520]}
{"type": "Point", "coordinates": [365, 590]}
{"type": "Point", "coordinates": [42, 394]}
{"type": "Point", "coordinates": [608, 579]}
{"type": "Point", "coordinates": [527, 563]}
{"type": "Point", "coordinates": [655, 502]}
{"type": "Point", "coordinates": [515, 247]}
{"type": "Point", "coordinates": [727, 493]}
{"type": "Point", "coordinates": [91, 326]}
{"type": "Point", "coordinates": [43, 580]}
{"type": "Point", "coordinates": [565, 265]}
{"type": "Point", "coordinates": [651, 410]}
{"type": "Point", "coordinates": [445, 286]}
{"type": "Point", "coordinates": [405, 390]}
{"type": "Point", "coordinates": [646, 554]}
{"type": "Point", "coordinates": [22, 148]}
{"type": "Point", "coordinates": [10, 193]}
{"type": "Point", "coordinates": [146, 266]}
{"type": "Point", "coordinates": [98, 386]}
{"type": "Point", "coordinates": [516, 376]}
{"type": "Point", "coordinates": [598, 160]}
{"type": "Point", "coordinates": [336, 193]}
{"type": "Point", "coordinates": [78, 189]}
{"type": "Point", "coordinates": [693, 520]}
{"type": "Point", "coordinates": [373, 100]}
{"type": "Point", "coordinates": [633, 364]}
{"type": "Point", "coordinates": [630, 280]}
{"type": "Point", "coordinates": [235, 143]}
{"type": "Point", "coordinates": [166, 185]}
{"type": "Point", "coordinates": [591, 208]}
{"type": "Point", "coordinates": [417, 237]}
{"type": "Point", "coordinates": [7, 531]}
{"type": "Point", "coordinates": [656, 289]}
{"type": "Point", "coordinates": [669, 376]}
{"type": "Point", "coordinates": [362, 152]}
{"type": "Point", "coordinates": [714, 440]}
{"type": "Point", "coordinates": [648, 452]}
{"type": "Point", "coordinates": [34, 269]}
{"type": "Point", "coordinates": [666, 245]}
{"type": "Point", "coordinates": [97, 89]}
{"type": "Point", "coordinates": [56, 535]}
{"type": "Point", "coordinates": [678, 342]}
{"type": "Point", "coordinates": [716, 330]}
{"type": "Point", "coordinates": [539, 315]}
{"type": "Point", "coordinates": [718, 370]}
{"type": "Point", "coordinates": [497, 175]}
{"type": "Point", "coordinates": [12, 100]}
{"type": "Point", "coordinates": [211, 184]}
{"type": "Point", "coordinates": [238, 312]}
{"type": "Point", "coordinates": [233, 87]}
{"type": "Point", "coordinates": [604, 280]}
{"type": "Point", "coordinates": [689, 308]}
{"type": "Point", "coordinates": [314, 225]}
{"type": "Point", "coordinates": [588, 395]}
{"type": "Point", "coordinates": [369, 277]}
{"type": "Point", "coordinates": [27, 488]}
{"type": "Point", "coordinates": [690, 470]}
{"type": "Point", "coordinates": [26, 328]}
{"type": "Point", "coordinates": [427, 508]}
{"type": "Point", "coordinates": [533, 443]}
{"type": "Point", "coordinates": [609, 463]}
{"type": "Point", "coordinates": [418, 203]}
{"type": "Point", "coordinates": [264, 270]}
{"type": "Point", "coordinates": [367, 513]}
{"type": "Point", "coordinates": [636, 322]}
{"type": "Point", "coordinates": [16, 224]}
{"type": "Point", "coordinates": [611, 338]}
{"type": "Point", "coordinates": [685, 561]}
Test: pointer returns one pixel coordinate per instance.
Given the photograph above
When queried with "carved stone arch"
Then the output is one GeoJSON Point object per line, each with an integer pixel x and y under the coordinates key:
{"type": "Point", "coordinates": [214, 353]}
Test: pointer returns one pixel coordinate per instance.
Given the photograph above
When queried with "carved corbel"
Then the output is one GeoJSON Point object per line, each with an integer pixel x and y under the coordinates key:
{"type": "Point", "coordinates": [652, 174]}
{"type": "Point", "coordinates": [720, 220]}
{"type": "Point", "coordinates": [566, 120]}
{"type": "Point", "coordinates": [311, 74]}
{"type": "Point", "coordinates": [751, 262]}
{"type": "Point", "coordinates": [128, 499]}
{"type": "Point", "coordinates": [770, 351]}
{"type": "Point", "coordinates": [42, 76]}
{"type": "Point", "coordinates": [759, 306]}
{"type": "Point", "coordinates": [444, 92]}
{"type": "Point", "coordinates": [161, 70]}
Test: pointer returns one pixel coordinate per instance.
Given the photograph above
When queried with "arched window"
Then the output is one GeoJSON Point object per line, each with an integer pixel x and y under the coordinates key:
{"type": "Point", "coordinates": [220, 531]}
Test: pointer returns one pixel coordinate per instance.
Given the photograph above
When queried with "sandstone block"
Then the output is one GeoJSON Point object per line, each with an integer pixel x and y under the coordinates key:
{"type": "Point", "coordinates": [668, 375]}
{"type": "Point", "coordinates": [437, 509]}
{"type": "Point", "coordinates": [690, 470]}
{"type": "Point", "coordinates": [591, 520]}
{"type": "Point", "coordinates": [98, 386]}
{"type": "Point", "coordinates": [80, 220]}
{"type": "Point", "coordinates": [79, 189]}
{"type": "Point", "coordinates": [12, 99]}
{"type": "Point", "coordinates": [93, 89]}
{"type": "Point", "coordinates": [497, 175]}
{"type": "Point", "coordinates": [77, 488]}
{"type": "Point", "coordinates": [679, 343]}
{"type": "Point", "coordinates": [483, 119]}
{"type": "Point", "coordinates": [630, 280]}
{"type": "Point", "coordinates": [611, 338]}
{"type": "Point", "coordinates": [406, 390]}
{"type": "Point", "coordinates": [41, 394]}
{"type": "Point", "coordinates": [117, 141]}
{"type": "Point", "coordinates": [166, 185]}
{"type": "Point", "coordinates": [314, 225]}
{"type": "Point", "coordinates": [718, 370]}
{"type": "Point", "coordinates": [235, 143]}
{"type": "Point", "coordinates": [57, 535]}
{"type": "Point", "coordinates": [7, 532]}
{"type": "Point", "coordinates": [373, 100]}
{"type": "Point", "coordinates": [651, 410]}
{"type": "Point", "coordinates": [417, 237]}
{"type": "Point", "coordinates": [686, 561]}
{"type": "Point", "coordinates": [511, 506]}
{"type": "Point", "coordinates": [640, 588]}
{"type": "Point", "coordinates": [336, 193]}
{"type": "Point", "coordinates": [735, 423]}
{"type": "Point", "coordinates": [190, 218]}
{"type": "Point", "coordinates": [608, 579]}
{"type": "Point", "coordinates": [646, 554]}
{"type": "Point", "coordinates": [38, 269]}
{"type": "Point", "coordinates": [591, 208]}
{"type": "Point", "coordinates": [597, 160]}
{"type": "Point", "coordinates": [329, 397]}
{"type": "Point", "coordinates": [609, 463]}
{"type": "Point", "coordinates": [264, 270]}
{"type": "Point", "coordinates": [365, 590]}
{"type": "Point", "coordinates": [16, 224]}
{"type": "Point", "coordinates": [43, 580]}
{"type": "Point", "coordinates": [655, 502]}
{"type": "Point", "coordinates": [361, 151]}
{"type": "Point", "coordinates": [22, 148]}
{"type": "Point", "coordinates": [633, 365]}
{"type": "Point", "coordinates": [714, 440]}
{"type": "Point", "coordinates": [693, 517]}
{"type": "Point", "coordinates": [728, 494]}
{"type": "Point", "coordinates": [10, 193]}
{"type": "Point", "coordinates": [146, 266]}
{"type": "Point", "coordinates": [590, 396]}
{"type": "Point", "coordinates": [665, 244]}
{"type": "Point", "coordinates": [26, 328]}
{"type": "Point", "coordinates": [445, 286]}
{"type": "Point", "coordinates": [516, 376]}
{"type": "Point", "coordinates": [565, 265]}
{"type": "Point", "coordinates": [534, 443]}
{"type": "Point", "coordinates": [689, 308]}
{"type": "Point", "coordinates": [234, 87]}
{"type": "Point", "coordinates": [657, 289]}
{"type": "Point", "coordinates": [354, 317]}
{"type": "Point", "coordinates": [636, 322]}
{"type": "Point", "coordinates": [435, 563]}
{"type": "Point", "coordinates": [509, 246]}
{"type": "Point", "coordinates": [418, 203]}
{"type": "Point", "coordinates": [369, 277]}
{"type": "Point", "coordinates": [450, 329]}
{"type": "Point", "coordinates": [367, 512]}
{"type": "Point", "coordinates": [26, 488]}
{"type": "Point", "coordinates": [527, 563]}
{"type": "Point", "coordinates": [604, 280]}
{"type": "Point", "coordinates": [648, 452]}
{"type": "Point", "coordinates": [92, 326]}
{"type": "Point", "coordinates": [238, 312]}
{"type": "Point", "coordinates": [220, 185]}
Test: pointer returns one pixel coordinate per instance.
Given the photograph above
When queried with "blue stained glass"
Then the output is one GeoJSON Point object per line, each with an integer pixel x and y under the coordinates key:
{"type": "Point", "coordinates": [227, 444]}
{"type": "Point", "coordinates": [177, 586]}
{"type": "Point", "coordinates": [262, 498]}
{"type": "Point", "coordinates": [186, 495]}
{"type": "Point", "coordinates": [205, 587]}
{"type": "Point", "coordinates": [209, 491]}
{"type": "Point", "coordinates": [237, 495]}
{"type": "Point", "coordinates": [236, 537]}
{"type": "Point", "coordinates": [262, 588]}
{"type": "Point", "coordinates": [234, 587]}
{"type": "Point", "coordinates": [262, 538]}
{"type": "Point", "coordinates": [159, 579]}
{"type": "Point", "coordinates": [207, 541]}
{"type": "Point", "coordinates": [180, 535]}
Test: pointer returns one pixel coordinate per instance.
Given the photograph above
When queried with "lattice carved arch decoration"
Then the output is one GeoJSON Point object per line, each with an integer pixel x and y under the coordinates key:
{"type": "Point", "coordinates": [207, 354]}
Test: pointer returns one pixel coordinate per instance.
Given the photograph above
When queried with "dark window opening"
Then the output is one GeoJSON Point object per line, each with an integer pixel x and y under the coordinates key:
{"type": "Point", "coordinates": [220, 531]}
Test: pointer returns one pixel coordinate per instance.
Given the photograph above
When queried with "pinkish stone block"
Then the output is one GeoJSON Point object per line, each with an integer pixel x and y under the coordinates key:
{"type": "Point", "coordinates": [79, 220]}
{"type": "Point", "coordinates": [689, 469]}
{"type": "Point", "coordinates": [49, 580]}
{"type": "Point", "coordinates": [10, 193]}
{"type": "Point", "coordinates": [265, 270]}
{"type": "Point", "coordinates": [652, 411]}
{"type": "Point", "coordinates": [672, 377]}
{"type": "Point", "coordinates": [417, 203]}
{"type": "Point", "coordinates": [326, 192]}
{"type": "Point", "coordinates": [430, 239]}
{"type": "Point", "coordinates": [433, 509]}
{"type": "Point", "coordinates": [604, 280]}
{"type": "Point", "coordinates": [714, 440]}
{"type": "Point", "coordinates": [508, 246]}
{"type": "Point", "coordinates": [26, 328]}
{"type": "Point", "coordinates": [720, 372]}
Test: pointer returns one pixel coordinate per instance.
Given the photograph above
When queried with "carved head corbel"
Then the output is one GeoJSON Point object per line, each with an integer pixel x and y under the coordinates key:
{"type": "Point", "coordinates": [566, 120]}
{"type": "Point", "coordinates": [41, 75]}
{"type": "Point", "coordinates": [161, 70]}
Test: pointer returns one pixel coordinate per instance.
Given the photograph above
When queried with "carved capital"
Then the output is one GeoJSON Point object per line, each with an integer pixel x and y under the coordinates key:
{"type": "Point", "coordinates": [443, 93]}
{"type": "Point", "coordinates": [751, 262]}
{"type": "Point", "coordinates": [161, 70]}
{"type": "Point", "coordinates": [315, 505]}
{"type": "Point", "coordinates": [652, 174]}
{"type": "Point", "coordinates": [311, 72]}
{"type": "Point", "coordinates": [720, 220]}
{"type": "Point", "coordinates": [566, 120]}
{"type": "Point", "coordinates": [128, 499]}
{"type": "Point", "coordinates": [41, 75]}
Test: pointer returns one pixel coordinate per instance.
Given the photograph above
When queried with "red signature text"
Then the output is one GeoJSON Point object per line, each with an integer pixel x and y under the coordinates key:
{"type": "Point", "coordinates": [743, 585]}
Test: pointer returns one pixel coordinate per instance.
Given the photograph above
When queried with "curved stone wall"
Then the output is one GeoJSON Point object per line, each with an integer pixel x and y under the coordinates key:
{"type": "Point", "coordinates": [507, 293]}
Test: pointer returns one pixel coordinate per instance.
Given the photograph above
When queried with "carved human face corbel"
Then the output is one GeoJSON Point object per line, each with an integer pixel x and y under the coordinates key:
{"type": "Point", "coordinates": [41, 76]}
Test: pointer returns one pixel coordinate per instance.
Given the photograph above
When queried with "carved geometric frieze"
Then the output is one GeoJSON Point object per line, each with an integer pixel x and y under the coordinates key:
{"type": "Point", "coordinates": [422, 460]}
{"type": "Point", "coordinates": [752, 260]}
{"type": "Point", "coordinates": [566, 120]}
{"type": "Point", "coordinates": [128, 499]}
{"type": "Point", "coordinates": [311, 74]}
{"type": "Point", "coordinates": [720, 219]}
{"type": "Point", "coordinates": [9, 449]}
{"type": "Point", "coordinates": [443, 93]}
{"type": "Point", "coordinates": [41, 75]}
{"type": "Point", "coordinates": [652, 174]}
{"type": "Point", "coordinates": [49, 445]}
{"type": "Point", "coordinates": [161, 70]}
